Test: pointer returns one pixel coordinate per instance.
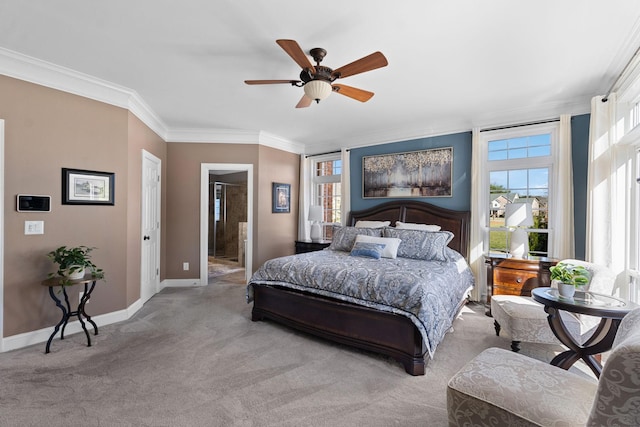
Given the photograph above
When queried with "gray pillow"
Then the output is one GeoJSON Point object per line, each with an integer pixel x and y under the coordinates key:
{"type": "Point", "coordinates": [424, 245]}
{"type": "Point", "coordinates": [344, 237]}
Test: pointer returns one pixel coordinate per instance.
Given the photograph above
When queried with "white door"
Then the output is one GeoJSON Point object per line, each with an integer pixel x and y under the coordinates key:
{"type": "Point", "coordinates": [150, 259]}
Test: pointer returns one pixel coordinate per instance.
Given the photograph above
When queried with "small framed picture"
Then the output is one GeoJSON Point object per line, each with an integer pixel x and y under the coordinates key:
{"type": "Point", "coordinates": [84, 187]}
{"type": "Point", "coordinates": [281, 198]}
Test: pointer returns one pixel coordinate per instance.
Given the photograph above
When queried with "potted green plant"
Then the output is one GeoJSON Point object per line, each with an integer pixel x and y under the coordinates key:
{"type": "Point", "coordinates": [569, 276]}
{"type": "Point", "coordinates": [74, 262]}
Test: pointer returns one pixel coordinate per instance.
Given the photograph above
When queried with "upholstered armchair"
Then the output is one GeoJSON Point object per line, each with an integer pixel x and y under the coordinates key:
{"type": "Point", "coordinates": [524, 320]}
{"type": "Point", "coordinates": [503, 388]}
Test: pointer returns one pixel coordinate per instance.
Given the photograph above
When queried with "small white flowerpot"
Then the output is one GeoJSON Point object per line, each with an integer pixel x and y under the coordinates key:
{"type": "Point", "coordinates": [566, 290]}
{"type": "Point", "coordinates": [75, 274]}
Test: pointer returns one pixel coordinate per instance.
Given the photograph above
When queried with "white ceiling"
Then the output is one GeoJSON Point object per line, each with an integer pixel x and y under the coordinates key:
{"type": "Point", "coordinates": [453, 65]}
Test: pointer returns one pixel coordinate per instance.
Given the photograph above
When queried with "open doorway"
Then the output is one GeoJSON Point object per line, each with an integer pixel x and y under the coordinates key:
{"type": "Point", "coordinates": [227, 236]}
{"type": "Point", "coordinates": [225, 219]}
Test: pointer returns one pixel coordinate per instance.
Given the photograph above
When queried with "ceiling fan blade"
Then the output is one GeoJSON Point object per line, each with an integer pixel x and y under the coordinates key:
{"type": "Point", "coordinates": [368, 63]}
{"type": "Point", "coordinates": [270, 82]}
{"type": "Point", "coordinates": [352, 92]}
{"type": "Point", "coordinates": [294, 50]}
{"type": "Point", "coordinates": [304, 102]}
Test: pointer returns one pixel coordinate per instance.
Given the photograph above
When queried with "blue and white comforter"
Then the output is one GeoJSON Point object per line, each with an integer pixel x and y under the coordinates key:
{"type": "Point", "coordinates": [429, 293]}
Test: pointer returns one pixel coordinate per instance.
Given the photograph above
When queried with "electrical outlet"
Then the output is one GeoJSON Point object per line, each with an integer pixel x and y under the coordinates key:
{"type": "Point", "coordinates": [185, 266]}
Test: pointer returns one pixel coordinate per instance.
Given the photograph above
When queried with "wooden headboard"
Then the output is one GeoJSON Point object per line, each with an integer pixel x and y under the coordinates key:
{"type": "Point", "coordinates": [456, 222]}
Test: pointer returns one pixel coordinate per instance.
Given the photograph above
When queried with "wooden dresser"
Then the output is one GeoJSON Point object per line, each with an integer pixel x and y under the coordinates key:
{"type": "Point", "coordinates": [516, 276]}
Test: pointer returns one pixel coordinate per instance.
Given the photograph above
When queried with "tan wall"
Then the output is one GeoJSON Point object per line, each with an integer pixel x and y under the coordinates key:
{"type": "Point", "coordinates": [46, 130]}
{"type": "Point", "coordinates": [277, 232]}
{"type": "Point", "coordinates": [274, 234]}
{"type": "Point", "coordinates": [183, 199]}
{"type": "Point", "coordinates": [142, 138]}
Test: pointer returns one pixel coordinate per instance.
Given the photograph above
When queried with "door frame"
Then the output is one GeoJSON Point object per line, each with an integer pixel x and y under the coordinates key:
{"type": "Point", "coordinates": [147, 156]}
{"type": "Point", "coordinates": [205, 169]}
{"type": "Point", "coordinates": [2, 169]}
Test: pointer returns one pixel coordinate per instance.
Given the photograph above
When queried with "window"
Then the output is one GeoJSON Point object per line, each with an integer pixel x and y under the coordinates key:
{"type": "Point", "coordinates": [327, 185]}
{"type": "Point", "coordinates": [519, 169]}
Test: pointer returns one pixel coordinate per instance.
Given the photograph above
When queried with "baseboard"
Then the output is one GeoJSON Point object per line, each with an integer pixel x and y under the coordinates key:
{"type": "Point", "coordinates": [180, 283]}
{"type": "Point", "coordinates": [26, 339]}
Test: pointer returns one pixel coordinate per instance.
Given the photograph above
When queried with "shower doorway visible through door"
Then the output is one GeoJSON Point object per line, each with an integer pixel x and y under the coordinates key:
{"type": "Point", "coordinates": [227, 223]}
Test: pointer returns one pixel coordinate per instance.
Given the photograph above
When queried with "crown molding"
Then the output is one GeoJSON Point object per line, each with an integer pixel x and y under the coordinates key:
{"type": "Point", "coordinates": [233, 136]}
{"type": "Point", "coordinates": [493, 119]}
{"type": "Point", "coordinates": [33, 70]}
{"type": "Point", "coordinates": [43, 73]}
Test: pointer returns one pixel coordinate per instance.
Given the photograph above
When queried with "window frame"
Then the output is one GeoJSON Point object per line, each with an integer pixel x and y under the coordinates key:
{"type": "Point", "coordinates": [330, 179]}
{"type": "Point", "coordinates": [550, 162]}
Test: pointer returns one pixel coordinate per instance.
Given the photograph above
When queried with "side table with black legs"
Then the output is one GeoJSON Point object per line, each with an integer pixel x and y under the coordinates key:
{"type": "Point", "coordinates": [58, 285]}
{"type": "Point", "coordinates": [609, 309]}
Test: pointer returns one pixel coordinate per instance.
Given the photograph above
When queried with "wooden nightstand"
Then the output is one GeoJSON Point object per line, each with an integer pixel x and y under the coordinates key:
{"type": "Point", "coordinates": [515, 276]}
{"type": "Point", "coordinates": [303, 246]}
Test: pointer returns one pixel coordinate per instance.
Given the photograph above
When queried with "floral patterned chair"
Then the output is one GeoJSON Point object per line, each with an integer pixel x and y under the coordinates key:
{"type": "Point", "coordinates": [503, 388]}
{"type": "Point", "coordinates": [525, 320]}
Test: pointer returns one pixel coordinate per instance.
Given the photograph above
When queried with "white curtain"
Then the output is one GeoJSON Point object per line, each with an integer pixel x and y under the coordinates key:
{"type": "Point", "coordinates": [563, 245]}
{"type": "Point", "coordinates": [478, 219]}
{"type": "Point", "coordinates": [346, 186]}
{"type": "Point", "coordinates": [304, 198]}
{"type": "Point", "coordinates": [608, 191]}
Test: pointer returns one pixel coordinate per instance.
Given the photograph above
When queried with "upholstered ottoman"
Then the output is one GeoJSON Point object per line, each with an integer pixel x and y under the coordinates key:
{"type": "Point", "coordinates": [502, 388]}
{"type": "Point", "coordinates": [525, 320]}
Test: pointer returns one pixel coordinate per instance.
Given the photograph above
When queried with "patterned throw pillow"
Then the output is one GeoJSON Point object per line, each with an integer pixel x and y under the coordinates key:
{"type": "Point", "coordinates": [367, 250]}
{"type": "Point", "coordinates": [424, 245]}
{"type": "Point", "coordinates": [344, 237]}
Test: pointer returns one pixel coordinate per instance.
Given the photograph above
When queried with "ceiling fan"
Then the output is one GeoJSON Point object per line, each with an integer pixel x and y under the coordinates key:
{"type": "Point", "coordinates": [317, 80]}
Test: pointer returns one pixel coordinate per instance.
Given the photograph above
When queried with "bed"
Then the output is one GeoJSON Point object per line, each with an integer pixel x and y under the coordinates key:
{"type": "Point", "coordinates": [345, 316]}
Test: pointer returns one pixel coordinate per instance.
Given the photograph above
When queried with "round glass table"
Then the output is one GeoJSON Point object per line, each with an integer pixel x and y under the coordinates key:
{"type": "Point", "coordinates": [609, 309]}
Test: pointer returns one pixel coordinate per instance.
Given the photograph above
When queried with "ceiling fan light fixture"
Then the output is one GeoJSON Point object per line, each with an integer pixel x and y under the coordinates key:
{"type": "Point", "coordinates": [317, 89]}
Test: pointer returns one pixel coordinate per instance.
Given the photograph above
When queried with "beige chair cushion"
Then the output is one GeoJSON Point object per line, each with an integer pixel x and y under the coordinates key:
{"type": "Point", "coordinates": [502, 388]}
{"type": "Point", "coordinates": [525, 320]}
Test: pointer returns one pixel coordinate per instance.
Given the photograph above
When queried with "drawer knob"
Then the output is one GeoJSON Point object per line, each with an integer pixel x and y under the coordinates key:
{"type": "Point", "coordinates": [519, 280]}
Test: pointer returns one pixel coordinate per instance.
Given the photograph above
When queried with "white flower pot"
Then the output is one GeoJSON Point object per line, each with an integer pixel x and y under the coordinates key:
{"type": "Point", "coordinates": [566, 290]}
{"type": "Point", "coordinates": [75, 274]}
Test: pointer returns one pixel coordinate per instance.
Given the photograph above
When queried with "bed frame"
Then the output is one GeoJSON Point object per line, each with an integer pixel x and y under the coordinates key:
{"type": "Point", "coordinates": [362, 327]}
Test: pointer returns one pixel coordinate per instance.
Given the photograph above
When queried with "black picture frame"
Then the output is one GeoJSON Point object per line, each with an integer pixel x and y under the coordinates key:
{"type": "Point", "coordinates": [86, 187]}
{"type": "Point", "coordinates": [281, 202]}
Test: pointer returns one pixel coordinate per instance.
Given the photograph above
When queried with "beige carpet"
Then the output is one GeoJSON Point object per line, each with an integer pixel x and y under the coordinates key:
{"type": "Point", "coordinates": [220, 267]}
{"type": "Point", "coordinates": [193, 357]}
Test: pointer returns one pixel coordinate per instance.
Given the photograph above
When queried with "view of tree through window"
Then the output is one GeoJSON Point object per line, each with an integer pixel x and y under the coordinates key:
{"type": "Point", "coordinates": [511, 181]}
{"type": "Point", "coordinates": [327, 188]}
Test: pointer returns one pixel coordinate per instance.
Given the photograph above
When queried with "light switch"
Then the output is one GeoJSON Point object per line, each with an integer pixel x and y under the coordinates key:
{"type": "Point", "coordinates": [34, 227]}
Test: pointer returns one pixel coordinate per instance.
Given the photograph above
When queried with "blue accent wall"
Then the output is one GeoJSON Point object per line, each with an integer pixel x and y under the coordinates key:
{"type": "Point", "coordinates": [580, 159]}
{"type": "Point", "coordinates": [461, 199]}
{"type": "Point", "coordinates": [461, 143]}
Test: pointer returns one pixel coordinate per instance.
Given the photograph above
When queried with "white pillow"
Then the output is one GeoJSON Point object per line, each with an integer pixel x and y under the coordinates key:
{"type": "Point", "coordinates": [391, 244]}
{"type": "Point", "coordinates": [413, 226]}
{"type": "Point", "coordinates": [372, 224]}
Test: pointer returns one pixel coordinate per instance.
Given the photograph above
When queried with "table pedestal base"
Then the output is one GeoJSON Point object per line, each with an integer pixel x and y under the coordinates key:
{"type": "Point", "coordinates": [67, 313]}
{"type": "Point", "coordinates": [599, 342]}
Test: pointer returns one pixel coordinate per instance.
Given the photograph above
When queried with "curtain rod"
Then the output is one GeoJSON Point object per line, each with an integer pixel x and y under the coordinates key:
{"type": "Point", "coordinates": [322, 154]}
{"type": "Point", "coordinates": [606, 95]}
{"type": "Point", "coordinates": [520, 125]}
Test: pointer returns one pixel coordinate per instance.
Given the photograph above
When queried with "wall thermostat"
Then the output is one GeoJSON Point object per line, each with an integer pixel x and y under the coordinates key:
{"type": "Point", "coordinates": [31, 203]}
